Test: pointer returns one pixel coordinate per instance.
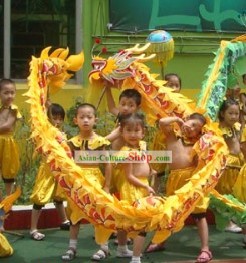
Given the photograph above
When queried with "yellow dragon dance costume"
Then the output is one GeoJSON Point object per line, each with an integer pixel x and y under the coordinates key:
{"type": "Point", "coordinates": [165, 215]}
{"type": "Point", "coordinates": [9, 153]}
{"type": "Point", "coordinates": [234, 163]}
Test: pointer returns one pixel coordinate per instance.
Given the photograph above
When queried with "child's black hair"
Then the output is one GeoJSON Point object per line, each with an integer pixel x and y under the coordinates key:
{"type": "Point", "coordinates": [169, 75]}
{"type": "Point", "coordinates": [6, 82]}
{"type": "Point", "coordinates": [131, 94]}
{"type": "Point", "coordinates": [225, 105]}
{"type": "Point", "coordinates": [84, 105]}
{"type": "Point", "coordinates": [135, 118]}
{"type": "Point", "coordinates": [56, 109]}
{"type": "Point", "coordinates": [198, 116]}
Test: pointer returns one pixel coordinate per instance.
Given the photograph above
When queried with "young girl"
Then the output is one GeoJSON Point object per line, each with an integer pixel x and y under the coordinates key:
{"type": "Point", "coordinates": [173, 81]}
{"type": "Point", "coordinates": [228, 123]}
{"type": "Point", "coordinates": [129, 102]}
{"type": "Point", "coordinates": [136, 175]}
{"type": "Point", "coordinates": [9, 154]}
{"type": "Point", "coordinates": [45, 186]}
{"type": "Point", "coordinates": [87, 140]}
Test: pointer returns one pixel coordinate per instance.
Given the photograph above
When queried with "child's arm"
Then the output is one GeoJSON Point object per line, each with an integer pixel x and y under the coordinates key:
{"type": "Point", "coordinates": [111, 104]}
{"type": "Point", "coordinates": [165, 123]}
{"type": "Point", "coordinates": [8, 125]}
{"type": "Point", "coordinates": [113, 135]}
{"type": "Point", "coordinates": [134, 180]}
{"type": "Point", "coordinates": [107, 174]}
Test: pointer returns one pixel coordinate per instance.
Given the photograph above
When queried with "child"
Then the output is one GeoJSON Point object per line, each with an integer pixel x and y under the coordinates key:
{"type": "Point", "coordinates": [45, 185]}
{"type": "Point", "coordinates": [136, 175]}
{"type": "Point", "coordinates": [9, 154]}
{"type": "Point", "coordinates": [173, 81]}
{"type": "Point", "coordinates": [228, 123]}
{"type": "Point", "coordinates": [129, 102]}
{"type": "Point", "coordinates": [87, 140]}
{"type": "Point", "coordinates": [180, 139]}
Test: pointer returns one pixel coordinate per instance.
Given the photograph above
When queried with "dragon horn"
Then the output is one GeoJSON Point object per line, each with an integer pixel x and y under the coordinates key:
{"type": "Point", "coordinates": [45, 53]}
{"type": "Point", "coordinates": [63, 55]}
{"type": "Point", "coordinates": [143, 58]}
{"type": "Point", "coordinates": [137, 50]}
{"type": "Point", "coordinates": [56, 52]}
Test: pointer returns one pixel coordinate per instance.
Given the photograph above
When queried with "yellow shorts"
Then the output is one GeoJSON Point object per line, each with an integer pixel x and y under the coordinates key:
{"type": "Point", "coordinates": [9, 156]}
{"type": "Point", "coordinates": [177, 179]}
{"type": "Point", "coordinates": [44, 185]}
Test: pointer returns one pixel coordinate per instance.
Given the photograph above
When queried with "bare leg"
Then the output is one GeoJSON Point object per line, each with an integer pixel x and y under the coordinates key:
{"type": "Point", "coordinates": [70, 254]}
{"type": "Point", "coordinates": [34, 218]}
{"type": "Point", "coordinates": [122, 249]}
{"type": "Point", "coordinates": [203, 232]}
{"type": "Point", "coordinates": [61, 211]}
{"type": "Point", "coordinates": [122, 238]}
{"type": "Point", "coordinates": [74, 231]}
{"type": "Point", "coordinates": [8, 188]}
{"type": "Point", "coordinates": [35, 234]}
{"type": "Point", "coordinates": [205, 254]}
{"type": "Point", "coordinates": [138, 244]}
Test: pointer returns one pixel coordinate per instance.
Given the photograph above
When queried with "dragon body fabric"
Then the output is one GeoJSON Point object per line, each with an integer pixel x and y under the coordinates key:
{"type": "Point", "coordinates": [164, 215]}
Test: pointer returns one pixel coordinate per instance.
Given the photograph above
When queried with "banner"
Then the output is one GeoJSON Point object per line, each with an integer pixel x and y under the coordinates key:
{"type": "Point", "coordinates": [188, 15]}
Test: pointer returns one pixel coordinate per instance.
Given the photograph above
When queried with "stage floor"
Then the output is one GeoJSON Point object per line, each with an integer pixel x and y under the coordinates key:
{"type": "Point", "coordinates": [181, 247]}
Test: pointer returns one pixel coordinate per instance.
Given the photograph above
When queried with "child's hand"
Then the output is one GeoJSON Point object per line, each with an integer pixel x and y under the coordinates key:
{"type": "Point", "coordinates": [150, 189]}
{"type": "Point", "coordinates": [180, 121]}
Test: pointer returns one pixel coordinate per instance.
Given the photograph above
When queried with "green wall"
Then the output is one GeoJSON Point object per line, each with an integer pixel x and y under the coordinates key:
{"type": "Point", "coordinates": [193, 53]}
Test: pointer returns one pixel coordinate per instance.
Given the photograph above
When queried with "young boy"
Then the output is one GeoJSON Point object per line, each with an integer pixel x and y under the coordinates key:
{"type": "Point", "coordinates": [45, 185]}
{"type": "Point", "coordinates": [9, 154]}
{"type": "Point", "coordinates": [180, 139]}
{"type": "Point", "coordinates": [86, 140]}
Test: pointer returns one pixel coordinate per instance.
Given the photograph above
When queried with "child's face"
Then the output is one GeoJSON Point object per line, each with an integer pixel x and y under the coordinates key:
{"type": "Point", "coordinates": [231, 115]}
{"type": "Point", "coordinates": [85, 119]}
{"type": "Point", "coordinates": [174, 83]}
{"type": "Point", "coordinates": [132, 134]}
{"type": "Point", "coordinates": [57, 121]}
{"type": "Point", "coordinates": [192, 128]}
{"type": "Point", "coordinates": [7, 94]}
{"type": "Point", "coordinates": [127, 106]}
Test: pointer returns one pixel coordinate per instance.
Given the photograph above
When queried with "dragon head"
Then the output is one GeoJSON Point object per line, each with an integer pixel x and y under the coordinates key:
{"type": "Point", "coordinates": [56, 66]}
{"type": "Point", "coordinates": [119, 66]}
